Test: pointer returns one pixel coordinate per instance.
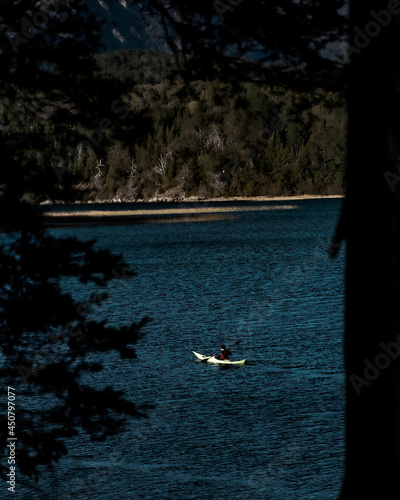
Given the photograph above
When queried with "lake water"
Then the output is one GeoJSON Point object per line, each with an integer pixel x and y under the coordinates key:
{"type": "Point", "coordinates": [270, 429]}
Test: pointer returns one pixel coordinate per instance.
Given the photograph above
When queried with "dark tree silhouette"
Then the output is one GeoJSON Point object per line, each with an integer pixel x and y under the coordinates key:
{"type": "Point", "coordinates": [47, 337]}
{"type": "Point", "coordinates": [371, 225]}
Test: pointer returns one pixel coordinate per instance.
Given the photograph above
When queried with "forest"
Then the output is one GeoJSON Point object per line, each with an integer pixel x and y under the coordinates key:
{"type": "Point", "coordinates": [171, 137]}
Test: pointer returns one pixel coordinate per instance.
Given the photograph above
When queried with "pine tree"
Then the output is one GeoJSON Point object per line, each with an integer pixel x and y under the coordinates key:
{"type": "Point", "coordinates": [47, 336]}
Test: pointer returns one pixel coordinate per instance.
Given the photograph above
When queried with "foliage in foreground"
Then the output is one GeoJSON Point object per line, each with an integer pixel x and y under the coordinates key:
{"type": "Point", "coordinates": [52, 345]}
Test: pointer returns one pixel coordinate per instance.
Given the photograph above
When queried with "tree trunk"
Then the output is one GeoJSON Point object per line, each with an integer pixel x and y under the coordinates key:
{"type": "Point", "coordinates": [372, 220]}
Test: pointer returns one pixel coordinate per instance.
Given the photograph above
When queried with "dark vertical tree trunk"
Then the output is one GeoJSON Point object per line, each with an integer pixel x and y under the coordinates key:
{"type": "Point", "coordinates": [372, 222]}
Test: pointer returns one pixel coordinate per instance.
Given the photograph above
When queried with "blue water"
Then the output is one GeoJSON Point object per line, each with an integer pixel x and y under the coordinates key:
{"type": "Point", "coordinates": [271, 429]}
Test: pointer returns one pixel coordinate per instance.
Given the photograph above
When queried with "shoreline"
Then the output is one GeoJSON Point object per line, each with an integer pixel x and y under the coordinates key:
{"type": "Point", "coordinates": [171, 212]}
{"type": "Point", "coordinates": [198, 200]}
{"type": "Point", "coordinates": [295, 197]}
{"type": "Point", "coordinates": [165, 211]}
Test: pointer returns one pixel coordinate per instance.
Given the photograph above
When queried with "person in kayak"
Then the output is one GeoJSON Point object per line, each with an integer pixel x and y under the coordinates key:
{"type": "Point", "coordinates": [224, 352]}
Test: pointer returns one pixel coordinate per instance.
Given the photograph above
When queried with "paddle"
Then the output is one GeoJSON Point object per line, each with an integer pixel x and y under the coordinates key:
{"type": "Point", "coordinates": [208, 357]}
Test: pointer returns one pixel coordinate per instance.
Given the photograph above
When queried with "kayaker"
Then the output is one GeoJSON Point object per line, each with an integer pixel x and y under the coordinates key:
{"type": "Point", "coordinates": [225, 353]}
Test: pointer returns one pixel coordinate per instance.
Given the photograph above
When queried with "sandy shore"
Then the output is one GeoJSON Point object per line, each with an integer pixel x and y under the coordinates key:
{"type": "Point", "coordinates": [277, 198]}
{"type": "Point", "coordinates": [201, 207]}
{"type": "Point", "coordinates": [167, 211]}
{"type": "Point", "coordinates": [193, 210]}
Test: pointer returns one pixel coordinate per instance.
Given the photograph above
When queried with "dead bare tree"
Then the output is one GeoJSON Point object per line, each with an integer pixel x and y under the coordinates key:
{"type": "Point", "coordinates": [162, 165]}
{"type": "Point", "coordinates": [215, 141]}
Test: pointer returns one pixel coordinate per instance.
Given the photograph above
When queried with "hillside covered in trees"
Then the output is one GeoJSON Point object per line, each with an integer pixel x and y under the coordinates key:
{"type": "Point", "coordinates": [175, 138]}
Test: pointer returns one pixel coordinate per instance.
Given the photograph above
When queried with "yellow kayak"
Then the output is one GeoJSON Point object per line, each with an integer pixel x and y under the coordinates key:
{"type": "Point", "coordinates": [213, 359]}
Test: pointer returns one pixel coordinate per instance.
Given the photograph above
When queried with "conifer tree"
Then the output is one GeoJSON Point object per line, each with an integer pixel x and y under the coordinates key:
{"type": "Point", "coordinates": [46, 335]}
